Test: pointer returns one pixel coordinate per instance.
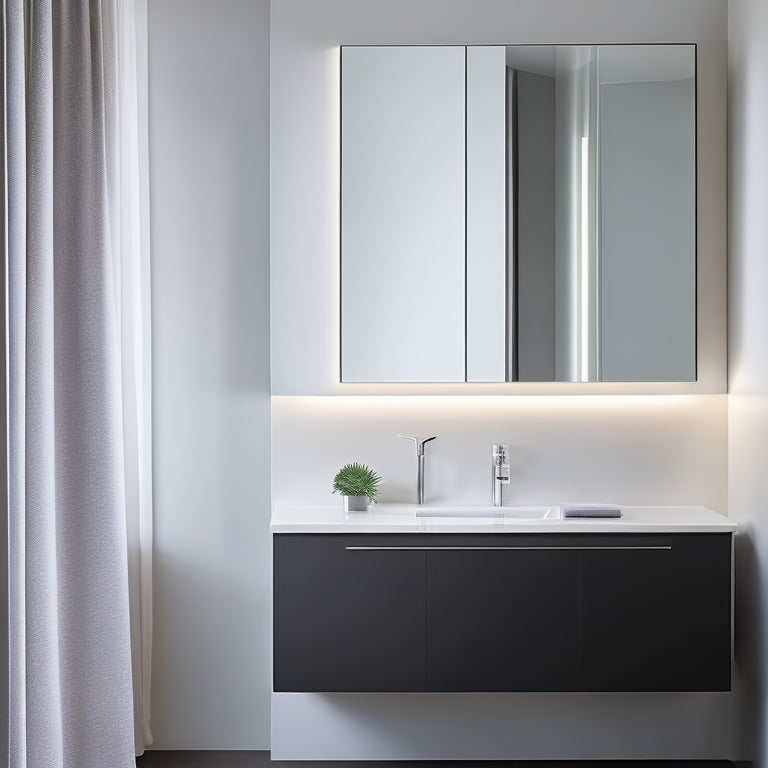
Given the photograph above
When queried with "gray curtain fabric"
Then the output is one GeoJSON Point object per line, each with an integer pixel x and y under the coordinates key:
{"type": "Point", "coordinates": [71, 702]}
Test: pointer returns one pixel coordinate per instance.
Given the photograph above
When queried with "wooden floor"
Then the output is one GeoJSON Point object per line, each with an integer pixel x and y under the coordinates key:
{"type": "Point", "coordinates": [221, 759]}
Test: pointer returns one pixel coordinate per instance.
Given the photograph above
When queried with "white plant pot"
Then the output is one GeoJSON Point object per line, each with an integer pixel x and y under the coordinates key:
{"type": "Point", "coordinates": [355, 503]}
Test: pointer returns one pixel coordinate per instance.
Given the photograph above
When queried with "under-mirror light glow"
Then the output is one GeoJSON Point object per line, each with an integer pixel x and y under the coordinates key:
{"type": "Point", "coordinates": [383, 406]}
{"type": "Point", "coordinates": [584, 260]}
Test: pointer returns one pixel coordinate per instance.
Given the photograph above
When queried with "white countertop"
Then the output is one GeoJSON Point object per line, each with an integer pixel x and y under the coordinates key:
{"type": "Point", "coordinates": [402, 518]}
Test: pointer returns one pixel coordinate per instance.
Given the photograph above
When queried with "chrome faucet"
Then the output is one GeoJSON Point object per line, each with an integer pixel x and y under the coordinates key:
{"type": "Point", "coordinates": [501, 471]}
{"type": "Point", "coordinates": [419, 441]}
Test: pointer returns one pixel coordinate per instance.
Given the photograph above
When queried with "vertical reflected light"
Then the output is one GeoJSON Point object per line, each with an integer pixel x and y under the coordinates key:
{"type": "Point", "coordinates": [584, 260]}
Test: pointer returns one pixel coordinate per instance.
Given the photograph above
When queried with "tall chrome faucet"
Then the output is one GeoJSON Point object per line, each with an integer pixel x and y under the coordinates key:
{"type": "Point", "coordinates": [500, 471]}
{"type": "Point", "coordinates": [419, 441]}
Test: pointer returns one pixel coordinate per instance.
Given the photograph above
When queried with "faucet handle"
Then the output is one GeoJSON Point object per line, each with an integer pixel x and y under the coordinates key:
{"type": "Point", "coordinates": [501, 463]}
{"type": "Point", "coordinates": [419, 442]}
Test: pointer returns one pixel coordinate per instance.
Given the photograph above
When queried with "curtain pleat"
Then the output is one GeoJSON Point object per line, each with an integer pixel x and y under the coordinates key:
{"type": "Point", "coordinates": [41, 581]}
{"type": "Point", "coordinates": [130, 206]}
{"type": "Point", "coordinates": [76, 451]}
{"type": "Point", "coordinates": [14, 124]}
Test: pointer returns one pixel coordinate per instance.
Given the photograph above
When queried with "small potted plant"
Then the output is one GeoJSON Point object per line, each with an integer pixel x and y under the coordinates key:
{"type": "Point", "coordinates": [357, 483]}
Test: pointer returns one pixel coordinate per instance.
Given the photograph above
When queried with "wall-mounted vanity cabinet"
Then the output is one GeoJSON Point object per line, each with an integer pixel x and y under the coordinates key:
{"type": "Point", "coordinates": [518, 213]}
{"type": "Point", "coordinates": [502, 612]}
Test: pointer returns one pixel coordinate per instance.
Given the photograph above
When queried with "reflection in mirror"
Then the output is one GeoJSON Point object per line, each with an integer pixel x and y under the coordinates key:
{"type": "Point", "coordinates": [647, 226]}
{"type": "Point", "coordinates": [402, 217]}
{"type": "Point", "coordinates": [518, 213]}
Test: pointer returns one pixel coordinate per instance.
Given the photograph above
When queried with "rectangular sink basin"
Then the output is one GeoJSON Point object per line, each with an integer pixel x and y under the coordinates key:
{"type": "Point", "coordinates": [478, 514]}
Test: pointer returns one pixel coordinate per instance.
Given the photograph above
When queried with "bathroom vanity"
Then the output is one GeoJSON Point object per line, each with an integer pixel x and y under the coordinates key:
{"type": "Point", "coordinates": [394, 601]}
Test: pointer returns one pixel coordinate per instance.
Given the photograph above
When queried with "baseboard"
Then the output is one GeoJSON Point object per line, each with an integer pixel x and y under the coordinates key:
{"type": "Point", "coordinates": [308, 726]}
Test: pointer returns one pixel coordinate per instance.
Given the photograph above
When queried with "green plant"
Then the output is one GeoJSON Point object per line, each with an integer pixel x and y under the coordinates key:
{"type": "Point", "coordinates": [357, 480]}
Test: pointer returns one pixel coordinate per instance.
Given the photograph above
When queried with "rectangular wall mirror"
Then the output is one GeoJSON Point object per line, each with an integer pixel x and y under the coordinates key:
{"type": "Point", "coordinates": [518, 213]}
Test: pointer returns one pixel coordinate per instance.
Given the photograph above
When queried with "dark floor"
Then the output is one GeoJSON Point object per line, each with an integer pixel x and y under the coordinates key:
{"type": "Point", "coordinates": [221, 759]}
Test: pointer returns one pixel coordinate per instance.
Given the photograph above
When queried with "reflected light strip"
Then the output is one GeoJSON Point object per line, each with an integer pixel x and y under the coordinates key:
{"type": "Point", "coordinates": [584, 259]}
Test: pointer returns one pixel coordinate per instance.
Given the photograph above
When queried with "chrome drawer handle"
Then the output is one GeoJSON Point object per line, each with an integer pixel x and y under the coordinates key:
{"type": "Point", "coordinates": [521, 549]}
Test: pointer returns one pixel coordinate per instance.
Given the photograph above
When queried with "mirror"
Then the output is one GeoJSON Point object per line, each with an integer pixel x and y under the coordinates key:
{"type": "Point", "coordinates": [518, 213]}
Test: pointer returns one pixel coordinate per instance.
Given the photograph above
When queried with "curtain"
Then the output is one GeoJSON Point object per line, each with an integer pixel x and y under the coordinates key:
{"type": "Point", "coordinates": [79, 463]}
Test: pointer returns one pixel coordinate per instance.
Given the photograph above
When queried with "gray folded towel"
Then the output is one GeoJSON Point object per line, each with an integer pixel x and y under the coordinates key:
{"type": "Point", "coordinates": [591, 510]}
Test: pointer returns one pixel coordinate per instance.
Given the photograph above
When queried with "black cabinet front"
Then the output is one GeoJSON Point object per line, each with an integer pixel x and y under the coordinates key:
{"type": "Point", "coordinates": [347, 619]}
{"type": "Point", "coordinates": [503, 620]}
{"type": "Point", "coordinates": [502, 612]}
{"type": "Point", "coordinates": [658, 619]}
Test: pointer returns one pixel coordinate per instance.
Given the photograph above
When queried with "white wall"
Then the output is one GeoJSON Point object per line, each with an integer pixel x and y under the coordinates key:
{"type": "Point", "coordinates": [208, 134]}
{"type": "Point", "coordinates": [622, 449]}
{"type": "Point", "coordinates": [208, 70]}
{"type": "Point", "coordinates": [632, 449]}
{"type": "Point", "coordinates": [748, 366]}
{"type": "Point", "coordinates": [304, 117]}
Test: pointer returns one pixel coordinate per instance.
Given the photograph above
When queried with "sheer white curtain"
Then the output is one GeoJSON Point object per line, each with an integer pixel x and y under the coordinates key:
{"type": "Point", "coordinates": [79, 464]}
{"type": "Point", "coordinates": [131, 264]}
